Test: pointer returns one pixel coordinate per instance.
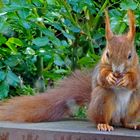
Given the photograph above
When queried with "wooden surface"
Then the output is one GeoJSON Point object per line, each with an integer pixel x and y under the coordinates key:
{"type": "Point", "coordinates": [62, 130]}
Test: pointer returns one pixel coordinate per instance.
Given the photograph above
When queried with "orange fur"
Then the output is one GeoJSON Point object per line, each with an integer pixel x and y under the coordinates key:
{"type": "Point", "coordinates": [132, 29]}
{"type": "Point", "coordinates": [51, 105]}
{"type": "Point", "coordinates": [118, 57]}
{"type": "Point", "coordinates": [109, 33]}
{"type": "Point", "coordinates": [112, 92]}
{"type": "Point", "coordinates": [101, 105]}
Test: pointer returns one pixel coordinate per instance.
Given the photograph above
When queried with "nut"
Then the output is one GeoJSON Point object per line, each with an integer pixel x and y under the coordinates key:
{"type": "Point", "coordinates": [118, 75]}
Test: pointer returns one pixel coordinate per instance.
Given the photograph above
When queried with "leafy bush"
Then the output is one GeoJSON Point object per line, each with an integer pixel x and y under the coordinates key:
{"type": "Point", "coordinates": [43, 40]}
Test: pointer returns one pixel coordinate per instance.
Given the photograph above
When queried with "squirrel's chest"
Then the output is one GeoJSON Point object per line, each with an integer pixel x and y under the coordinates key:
{"type": "Point", "coordinates": [122, 99]}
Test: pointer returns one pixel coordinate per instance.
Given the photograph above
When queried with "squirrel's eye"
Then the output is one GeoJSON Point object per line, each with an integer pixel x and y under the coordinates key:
{"type": "Point", "coordinates": [107, 54]}
{"type": "Point", "coordinates": [129, 56]}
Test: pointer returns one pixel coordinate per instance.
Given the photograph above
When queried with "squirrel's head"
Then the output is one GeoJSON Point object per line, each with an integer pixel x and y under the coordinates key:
{"type": "Point", "coordinates": [120, 52]}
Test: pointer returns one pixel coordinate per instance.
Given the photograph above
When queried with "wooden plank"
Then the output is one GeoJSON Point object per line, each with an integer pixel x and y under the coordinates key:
{"type": "Point", "coordinates": [62, 130]}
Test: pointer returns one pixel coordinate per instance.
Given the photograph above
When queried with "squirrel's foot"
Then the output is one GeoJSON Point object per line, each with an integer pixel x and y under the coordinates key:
{"type": "Point", "coordinates": [104, 127]}
{"type": "Point", "coordinates": [134, 126]}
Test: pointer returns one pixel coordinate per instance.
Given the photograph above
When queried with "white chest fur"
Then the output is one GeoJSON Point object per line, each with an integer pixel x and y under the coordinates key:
{"type": "Point", "coordinates": [122, 98]}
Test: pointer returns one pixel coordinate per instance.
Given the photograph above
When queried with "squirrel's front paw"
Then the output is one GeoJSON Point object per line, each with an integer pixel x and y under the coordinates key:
{"type": "Point", "coordinates": [123, 82]}
{"type": "Point", "coordinates": [111, 79]}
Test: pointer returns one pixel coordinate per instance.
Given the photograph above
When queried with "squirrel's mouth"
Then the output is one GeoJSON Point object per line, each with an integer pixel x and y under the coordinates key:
{"type": "Point", "coordinates": [118, 75]}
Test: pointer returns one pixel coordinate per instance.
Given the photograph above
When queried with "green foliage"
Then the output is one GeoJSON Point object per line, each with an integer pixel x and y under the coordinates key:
{"type": "Point", "coordinates": [44, 40]}
{"type": "Point", "coordinates": [81, 113]}
{"type": "Point", "coordinates": [23, 90]}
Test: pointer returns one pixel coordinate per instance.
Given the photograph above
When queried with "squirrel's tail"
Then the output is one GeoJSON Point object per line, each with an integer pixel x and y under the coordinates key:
{"type": "Point", "coordinates": [53, 105]}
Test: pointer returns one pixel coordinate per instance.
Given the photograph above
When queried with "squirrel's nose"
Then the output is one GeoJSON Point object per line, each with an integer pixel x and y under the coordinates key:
{"type": "Point", "coordinates": [117, 72]}
{"type": "Point", "coordinates": [118, 68]}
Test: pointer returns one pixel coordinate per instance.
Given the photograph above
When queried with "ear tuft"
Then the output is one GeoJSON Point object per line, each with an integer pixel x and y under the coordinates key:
{"type": "Point", "coordinates": [108, 31]}
{"type": "Point", "coordinates": [132, 29]}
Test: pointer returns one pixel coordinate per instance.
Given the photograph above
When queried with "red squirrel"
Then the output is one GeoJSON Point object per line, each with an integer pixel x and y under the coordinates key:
{"type": "Point", "coordinates": [111, 91]}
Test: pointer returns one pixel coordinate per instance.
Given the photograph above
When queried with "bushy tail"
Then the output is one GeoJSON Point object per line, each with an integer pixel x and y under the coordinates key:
{"type": "Point", "coordinates": [53, 105]}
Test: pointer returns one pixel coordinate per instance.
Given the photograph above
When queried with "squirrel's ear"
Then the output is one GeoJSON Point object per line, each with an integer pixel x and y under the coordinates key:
{"type": "Point", "coordinates": [132, 29]}
{"type": "Point", "coordinates": [108, 32]}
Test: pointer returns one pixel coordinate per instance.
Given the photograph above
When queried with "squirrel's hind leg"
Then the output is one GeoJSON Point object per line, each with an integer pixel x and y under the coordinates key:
{"type": "Point", "coordinates": [135, 126]}
{"type": "Point", "coordinates": [101, 108]}
{"type": "Point", "coordinates": [133, 115]}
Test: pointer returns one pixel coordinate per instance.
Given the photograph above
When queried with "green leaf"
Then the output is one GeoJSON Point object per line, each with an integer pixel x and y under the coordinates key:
{"type": "Point", "coordinates": [4, 27]}
{"type": "Point", "coordinates": [50, 2]}
{"type": "Point", "coordinates": [47, 57]}
{"type": "Point", "coordinates": [12, 43]}
{"type": "Point", "coordinates": [68, 36]}
{"type": "Point", "coordinates": [12, 47]}
{"type": "Point", "coordinates": [51, 36]}
{"type": "Point", "coordinates": [56, 41]}
{"type": "Point", "coordinates": [41, 41]}
{"type": "Point", "coordinates": [2, 40]}
{"type": "Point", "coordinates": [29, 51]}
{"type": "Point", "coordinates": [58, 60]}
{"type": "Point", "coordinates": [12, 79]}
{"type": "Point", "coordinates": [52, 75]}
{"type": "Point", "coordinates": [128, 4]}
{"type": "Point", "coordinates": [85, 60]}
{"type": "Point", "coordinates": [47, 32]}
{"type": "Point", "coordinates": [57, 26]}
{"type": "Point", "coordinates": [4, 89]}
{"type": "Point", "coordinates": [75, 29]}
{"type": "Point", "coordinates": [61, 71]}
{"type": "Point", "coordinates": [23, 13]}
{"type": "Point", "coordinates": [37, 2]}
{"type": "Point", "coordinates": [64, 43]}
{"type": "Point", "coordinates": [15, 41]}
{"type": "Point", "coordinates": [2, 75]}
{"type": "Point", "coordinates": [26, 25]}
{"type": "Point", "coordinates": [12, 61]}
